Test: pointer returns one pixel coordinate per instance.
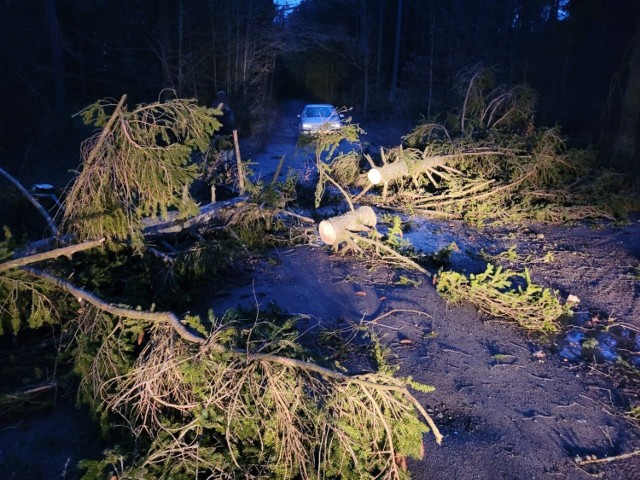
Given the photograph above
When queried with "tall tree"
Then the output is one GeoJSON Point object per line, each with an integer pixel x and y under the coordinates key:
{"type": "Point", "coordinates": [396, 53]}
{"type": "Point", "coordinates": [55, 38]}
{"type": "Point", "coordinates": [626, 140]}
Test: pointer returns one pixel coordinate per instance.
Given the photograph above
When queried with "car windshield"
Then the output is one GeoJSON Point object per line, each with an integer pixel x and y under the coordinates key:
{"type": "Point", "coordinates": [323, 112]}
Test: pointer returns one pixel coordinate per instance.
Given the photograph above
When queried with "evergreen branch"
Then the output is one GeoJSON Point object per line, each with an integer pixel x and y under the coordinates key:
{"type": "Point", "coordinates": [364, 381]}
{"type": "Point", "coordinates": [172, 320]}
{"type": "Point", "coordinates": [106, 130]}
{"type": "Point", "coordinates": [392, 252]}
{"type": "Point", "coordinates": [82, 294]}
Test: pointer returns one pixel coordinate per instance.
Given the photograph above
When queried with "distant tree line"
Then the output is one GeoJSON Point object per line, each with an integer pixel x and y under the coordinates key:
{"type": "Point", "coordinates": [383, 57]}
{"type": "Point", "coordinates": [409, 56]}
{"type": "Point", "coordinates": [60, 55]}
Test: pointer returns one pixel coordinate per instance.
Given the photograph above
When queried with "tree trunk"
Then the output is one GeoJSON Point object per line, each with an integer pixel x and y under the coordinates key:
{"type": "Point", "coordinates": [388, 172]}
{"type": "Point", "coordinates": [214, 44]}
{"type": "Point", "coordinates": [55, 37]}
{"type": "Point", "coordinates": [165, 53]}
{"type": "Point", "coordinates": [396, 54]}
{"type": "Point", "coordinates": [180, 48]}
{"type": "Point", "coordinates": [402, 168]}
{"type": "Point", "coordinates": [431, 51]}
{"type": "Point", "coordinates": [379, 52]}
{"type": "Point", "coordinates": [367, 57]}
{"type": "Point", "coordinates": [336, 230]}
{"type": "Point", "coordinates": [624, 147]}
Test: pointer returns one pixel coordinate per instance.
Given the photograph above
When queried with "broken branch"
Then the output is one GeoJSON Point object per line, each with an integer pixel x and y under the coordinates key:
{"type": "Point", "coordinates": [58, 252]}
{"type": "Point", "coordinates": [34, 202]}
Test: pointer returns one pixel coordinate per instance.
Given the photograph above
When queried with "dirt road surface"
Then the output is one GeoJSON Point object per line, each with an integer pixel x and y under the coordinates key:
{"type": "Point", "coordinates": [511, 405]}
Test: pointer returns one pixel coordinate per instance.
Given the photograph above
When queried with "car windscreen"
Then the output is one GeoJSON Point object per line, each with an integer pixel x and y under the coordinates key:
{"type": "Point", "coordinates": [323, 112]}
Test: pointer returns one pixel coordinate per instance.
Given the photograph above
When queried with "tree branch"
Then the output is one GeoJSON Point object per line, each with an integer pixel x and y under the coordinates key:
{"type": "Point", "coordinates": [106, 130]}
{"type": "Point", "coordinates": [97, 302]}
{"type": "Point", "coordinates": [34, 202]}
{"type": "Point", "coordinates": [188, 335]}
{"type": "Point", "coordinates": [58, 252]}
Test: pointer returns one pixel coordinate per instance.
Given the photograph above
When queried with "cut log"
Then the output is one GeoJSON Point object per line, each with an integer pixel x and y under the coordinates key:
{"type": "Point", "coordinates": [218, 213]}
{"type": "Point", "coordinates": [388, 172]}
{"type": "Point", "coordinates": [336, 230]}
{"type": "Point", "coordinates": [401, 168]}
{"type": "Point", "coordinates": [213, 216]}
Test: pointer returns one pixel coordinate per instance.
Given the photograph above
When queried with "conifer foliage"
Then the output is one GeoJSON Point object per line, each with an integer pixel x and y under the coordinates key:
{"type": "Point", "coordinates": [139, 165]}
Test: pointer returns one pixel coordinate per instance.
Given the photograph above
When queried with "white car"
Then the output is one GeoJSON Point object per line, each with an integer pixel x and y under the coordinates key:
{"type": "Point", "coordinates": [318, 118]}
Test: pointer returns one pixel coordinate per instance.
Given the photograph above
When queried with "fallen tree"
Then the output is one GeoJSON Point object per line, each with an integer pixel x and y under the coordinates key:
{"type": "Point", "coordinates": [489, 162]}
{"type": "Point", "coordinates": [157, 387]}
{"type": "Point", "coordinates": [531, 177]}
{"type": "Point", "coordinates": [411, 163]}
{"type": "Point", "coordinates": [222, 397]}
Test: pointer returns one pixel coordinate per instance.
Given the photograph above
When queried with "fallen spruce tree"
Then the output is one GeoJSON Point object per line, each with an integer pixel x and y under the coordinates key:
{"type": "Point", "coordinates": [488, 161]}
{"type": "Point", "coordinates": [184, 395]}
{"type": "Point", "coordinates": [516, 178]}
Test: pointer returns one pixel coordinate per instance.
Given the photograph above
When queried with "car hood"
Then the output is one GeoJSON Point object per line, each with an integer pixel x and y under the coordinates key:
{"type": "Point", "coordinates": [319, 120]}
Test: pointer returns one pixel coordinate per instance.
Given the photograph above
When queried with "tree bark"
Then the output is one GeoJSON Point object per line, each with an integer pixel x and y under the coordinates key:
{"type": "Point", "coordinates": [336, 230]}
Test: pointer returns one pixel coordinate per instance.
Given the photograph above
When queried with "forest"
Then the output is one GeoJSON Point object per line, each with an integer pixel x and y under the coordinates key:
{"type": "Point", "coordinates": [131, 215]}
{"type": "Point", "coordinates": [381, 57]}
